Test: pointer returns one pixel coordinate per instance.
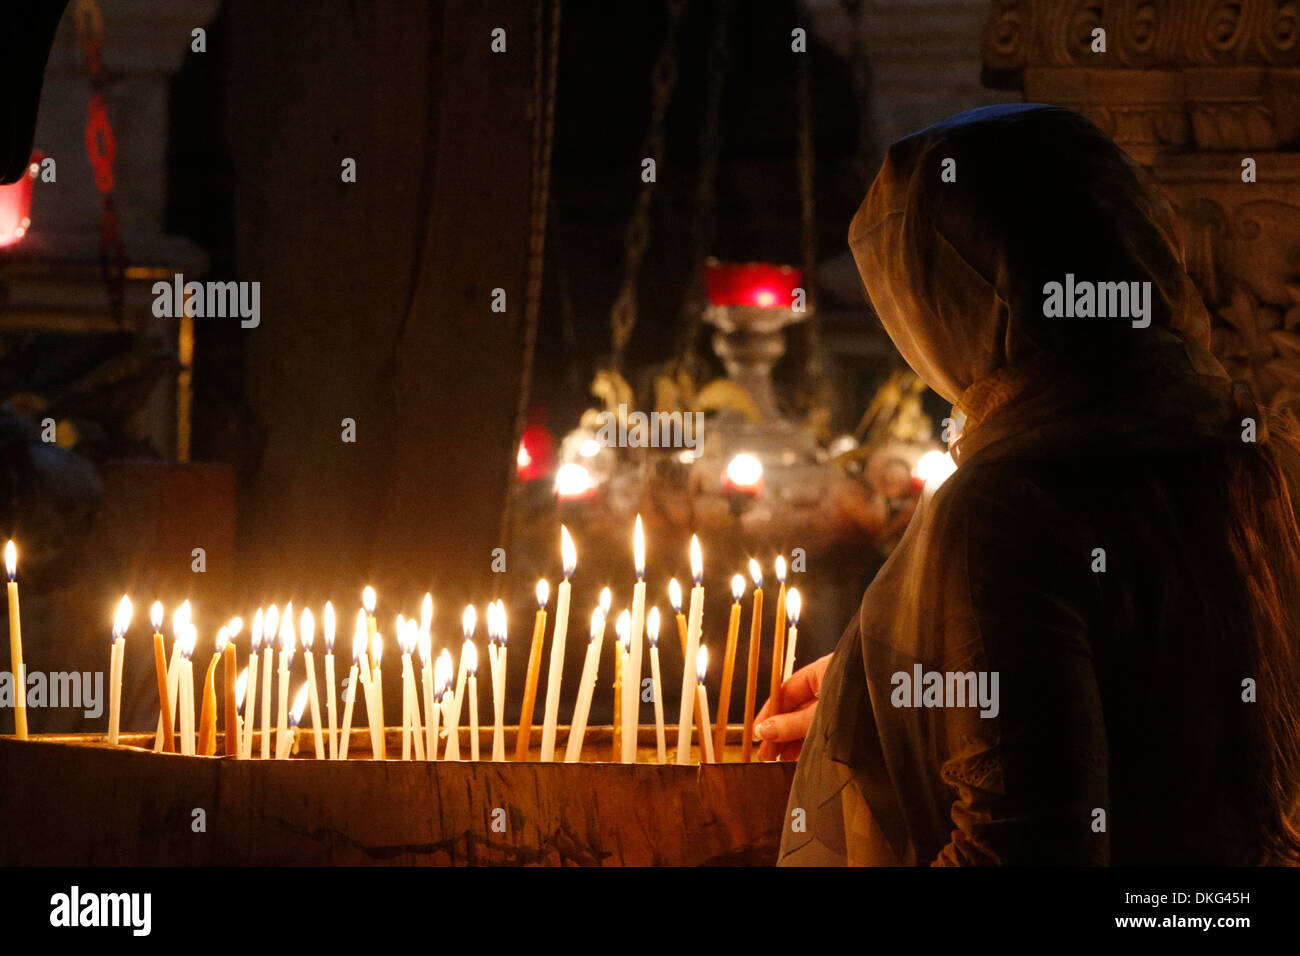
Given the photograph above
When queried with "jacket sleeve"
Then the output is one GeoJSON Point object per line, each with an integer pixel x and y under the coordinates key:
{"type": "Point", "coordinates": [1030, 778]}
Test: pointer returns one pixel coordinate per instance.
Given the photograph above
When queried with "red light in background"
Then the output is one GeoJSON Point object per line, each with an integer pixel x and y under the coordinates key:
{"type": "Point", "coordinates": [756, 284]}
{"type": "Point", "coordinates": [16, 205]}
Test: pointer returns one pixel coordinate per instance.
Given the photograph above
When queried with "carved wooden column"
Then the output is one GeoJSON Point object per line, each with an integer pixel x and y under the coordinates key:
{"type": "Point", "coordinates": [1191, 89]}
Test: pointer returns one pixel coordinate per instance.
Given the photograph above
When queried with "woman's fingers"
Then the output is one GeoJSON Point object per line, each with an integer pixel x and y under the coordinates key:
{"type": "Point", "coordinates": [803, 686]}
{"type": "Point", "coordinates": [786, 728]}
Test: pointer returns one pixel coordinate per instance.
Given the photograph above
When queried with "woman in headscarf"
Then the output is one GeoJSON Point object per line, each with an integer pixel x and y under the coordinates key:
{"type": "Point", "coordinates": [1116, 557]}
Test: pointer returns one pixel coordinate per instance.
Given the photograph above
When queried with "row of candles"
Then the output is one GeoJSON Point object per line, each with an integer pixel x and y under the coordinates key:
{"type": "Point", "coordinates": [443, 696]}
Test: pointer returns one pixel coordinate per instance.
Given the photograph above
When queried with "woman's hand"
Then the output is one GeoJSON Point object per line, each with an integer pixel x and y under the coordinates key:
{"type": "Point", "coordinates": [782, 735]}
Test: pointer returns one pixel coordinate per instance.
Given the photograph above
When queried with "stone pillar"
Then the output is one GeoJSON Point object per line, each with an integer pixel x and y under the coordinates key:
{"type": "Point", "coordinates": [1191, 89]}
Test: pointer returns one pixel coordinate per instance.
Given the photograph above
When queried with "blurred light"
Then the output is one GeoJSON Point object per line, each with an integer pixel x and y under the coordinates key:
{"type": "Point", "coordinates": [933, 469]}
{"type": "Point", "coordinates": [573, 481]}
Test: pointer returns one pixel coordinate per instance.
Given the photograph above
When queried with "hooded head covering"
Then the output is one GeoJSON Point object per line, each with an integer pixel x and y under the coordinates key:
{"type": "Point", "coordinates": [969, 219]}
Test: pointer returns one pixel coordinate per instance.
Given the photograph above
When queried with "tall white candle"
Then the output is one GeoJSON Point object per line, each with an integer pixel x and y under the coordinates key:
{"type": "Point", "coordinates": [448, 703]}
{"type": "Point", "coordinates": [330, 703]}
{"type": "Point", "coordinates": [268, 642]}
{"type": "Point", "coordinates": [121, 621]}
{"type": "Point", "coordinates": [307, 635]}
{"type": "Point", "coordinates": [350, 691]}
{"type": "Point", "coordinates": [706, 736]}
{"type": "Point", "coordinates": [287, 647]}
{"type": "Point", "coordinates": [16, 643]}
{"type": "Point", "coordinates": [472, 669]}
{"type": "Point", "coordinates": [623, 628]}
{"type": "Point", "coordinates": [242, 701]}
{"type": "Point", "coordinates": [250, 694]}
{"type": "Point", "coordinates": [284, 742]}
{"type": "Point", "coordinates": [411, 732]}
{"type": "Point", "coordinates": [652, 635]}
{"type": "Point", "coordinates": [793, 604]}
{"type": "Point", "coordinates": [425, 647]}
{"type": "Point", "coordinates": [468, 621]}
{"type": "Point", "coordinates": [632, 676]}
{"type": "Point", "coordinates": [693, 624]}
{"type": "Point", "coordinates": [586, 687]}
{"type": "Point", "coordinates": [555, 674]}
{"type": "Point", "coordinates": [375, 704]}
{"type": "Point", "coordinates": [497, 650]}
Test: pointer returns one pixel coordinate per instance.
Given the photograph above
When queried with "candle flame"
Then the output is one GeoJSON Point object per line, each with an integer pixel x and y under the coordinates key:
{"type": "Point", "coordinates": [288, 644]}
{"type": "Point", "coordinates": [675, 595]}
{"type": "Point", "coordinates": [377, 652]}
{"type": "Point", "coordinates": [756, 573]}
{"type": "Point", "coordinates": [358, 644]}
{"type": "Point", "coordinates": [223, 638]}
{"type": "Point", "coordinates": [502, 622]}
{"type": "Point", "coordinates": [412, 637]}
{"type": "Point", "coordinates": [241, 687]}
{"type": "Point", "coordinates": [442, 670]}
{"type": "Point", "coordinates": [606, 598]}
{"type": "Point", "coordinates": [793, 603]}
{"type": "Point", "coordinates": [156, 615]}
{"type": "Point", "coordinates": [187, 639]}
{"type": "Point", "coordinates": [11, 559]}
{"type": "Point", "coordinates": [299, 705]}
{"type": "Point", "coordinates": [471, 659]}
{"type": "Point", "coordinates": [597, 621]}
{"type": "Point", "coordinates": [543, 593]}
{"type": "Point", "coordinates": [329, 628]}
{"type": "Point", "coordinates": [652, 626]}
{"type": "Point", "coordinates": [307, 625]}
{"type": "Point", "coordinates": [780, 569]}
{"type": "Point", "coordinates": [258, 620]}
{"type": "Point", "coordinates": [425, 646]}
{"type": "Point", "coordinates": [638, 549]}
{"type": "Point", "coordinates": [361, 622]}
{"type": "Point", "coordinates": [181, 620]}
{"type": "Point", "coordinates": [495, 614]}
{"type": "Point", "coordinates": [122, 619]}
{"type": "Point", "coordinates": [568, 553]}
{"type": "Point", "coordinates": [623, 627]}
{"type": "Point", "coordinates": [702, 663]}
{"type": "Point", "coordinates": [368, 599]}
{"type": "Point", "coordinates": [468, 621]}
{"type": "Point", "coordinates": [235, 626]}
{"type": "Point", "coordinates": [697, 561]}
{"type": "Point", "coordinates": [272, 625]}
{"type": "Point", "coordinates": [737, 588]}
{"type": "Point", "coordinates": [426, 614]}
{"type": "Point", "coordinates": [400, 630]}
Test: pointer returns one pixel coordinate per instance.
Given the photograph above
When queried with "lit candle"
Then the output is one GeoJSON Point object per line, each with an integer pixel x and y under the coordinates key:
{"type": "Point", "coordinates": [448, 703]}
{"type": "Point", "coordinates": [350, 691]}
{"type": "Point", "coordinates": [268, 640]}
{"type": "Point", "coordinates": [497, 649]}
{"type": "Point", "coordinates": [16, 643]}
{"type": "Point", "coordinates": [186, 682]}
{"type": "Point", "coordinates": [472, 653]}
{"type": "Point", "coordinates": [751, 671]}
{"type": "Point", "coordinates": [569, 555]}
{"type": "Point", "coordinates": [441, 678]}
{"type": "Point", "coordinates": [307, 635]}
{"type": "Point", "coordinates": [632, 677]}
{"type": "Point", "coordinates": [250, 695]}
{"type": "Point", "coordinates": [229, 665]}
{"type": "Point", "coordinates": [692, 650]}
{"type": "Point", "coordinates": [523, 740]}
{"type": "Point", "coordinates": [330, 703]}
{"type": "Point", "coordinates": [208, 709]}
{"type": "Point", "coordinates": [411, 730]}
{"type": "Point", "coordinates": [778, 642]}
{"type": "Point", "coordinates": [284, 742]}
{"type": "Point", "coordinates": [425, 647]}
{"type": "Point", "coordinates": [578, 725]}
{"type": "Point", "coordinates": [728, 668]}
{"type": "Point", "coordinates": [363, 661]}
{"type": "Point", "coordinates": [121, 621]}
{"type": "Point", "coordinates": [706, 740]}
{"type": "Point", "coordinates": [652, 634]}
{"type": "Point", "coordinates": [379, 727]}
{"type": "Point", "coordinates": [675, 599]}
{"type": "Point", "coordinates": [165, 738]}
{"type": "Point", "coordinates": [372, 678]}
{"type": "Point", "coordinates": [623, 629]}
{"type": "Point", "coordinates": [793, 604]}
{"type": "Point", "coordinates": [616, 706]}
{"type": "Point", "coordinates": [468, 621]}
{"type": "Point", "coordinates": [241, 697]}
{"type": "Point", "coordinates": [287, 647]}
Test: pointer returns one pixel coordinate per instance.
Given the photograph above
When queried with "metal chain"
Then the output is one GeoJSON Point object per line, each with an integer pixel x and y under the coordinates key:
{"type": "Point", "coordinates": [703, 228]}
{"type": "Point", "coordinates": [541, 108]}
{"type": "Point", "coordinates": [102, 150]}
{"type": "Point", "coordinates": [622, 318]}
